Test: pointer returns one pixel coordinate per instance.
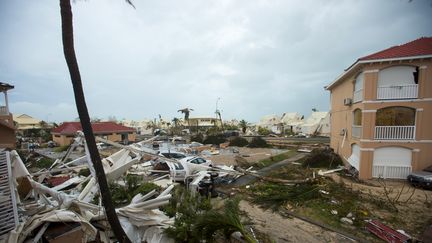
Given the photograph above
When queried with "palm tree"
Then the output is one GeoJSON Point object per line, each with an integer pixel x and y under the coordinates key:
{"type": "Point", "coordinates": [186, 111]}
{"type": "Point", "coordinates": [218, 115]}
{"type": "Point", "coordinates": [72, 63]}
{"type": "Point", "coordinates": [176, 121]}
{"type": "Point", "coordinates": [243, 124]}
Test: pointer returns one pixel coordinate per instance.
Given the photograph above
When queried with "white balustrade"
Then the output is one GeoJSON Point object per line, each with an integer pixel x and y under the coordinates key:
{"type": "Point", "coordinates": [405, 91]}
{"type": "Point", "coordinates": [394, 132]}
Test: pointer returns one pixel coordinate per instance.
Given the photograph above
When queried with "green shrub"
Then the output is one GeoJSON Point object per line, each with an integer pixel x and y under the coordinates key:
{"type": "Point", "coordinates": [199, 138]}
{"type": "Point", "coordinates": [215, 139]}
{"type": "Point", "coordinates": [263, 131]}
{"type": "Point", "coordinates": [258, 142]}
{"type": "Point", "coordinates": [239, 142]}
{"type": "Point", "coordinates": [84, 172]}
{"type": "Point", "coordinates": [44, 162]}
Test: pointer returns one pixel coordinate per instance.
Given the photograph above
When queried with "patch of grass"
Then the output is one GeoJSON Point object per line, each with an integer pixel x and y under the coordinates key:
{"type": "Point", "coordinates": [44, 162]}
{"type": "Point", "coordinates": [61, 149]}
{"type": "Point", "coordinates": [276, 158]}
{"type": "Point", "coordinates": [292, 172]}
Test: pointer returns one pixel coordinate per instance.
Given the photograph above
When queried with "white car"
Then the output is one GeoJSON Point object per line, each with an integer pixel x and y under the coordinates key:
{"type": "Point", "coordinates": [187, 167]}
{"type": "Point", "coordinates": [197, 160]}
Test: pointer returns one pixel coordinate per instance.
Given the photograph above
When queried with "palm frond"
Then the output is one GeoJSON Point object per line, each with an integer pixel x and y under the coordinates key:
{"type": "Point", "coordinates": [130, 2]}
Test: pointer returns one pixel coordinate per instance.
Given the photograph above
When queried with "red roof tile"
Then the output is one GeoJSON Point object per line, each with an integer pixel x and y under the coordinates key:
{"type": "Point", "coordinates": [98, 127]}
{"type": "Point", "coordinates": [419, 47]}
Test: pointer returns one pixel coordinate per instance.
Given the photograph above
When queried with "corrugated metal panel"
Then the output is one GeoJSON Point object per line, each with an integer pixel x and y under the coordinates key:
{"type": "Point", "coordinates": [8, 210]}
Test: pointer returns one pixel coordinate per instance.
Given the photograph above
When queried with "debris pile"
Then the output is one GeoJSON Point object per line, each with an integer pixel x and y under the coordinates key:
{"type": "Point", "coordinates": [61, 203]}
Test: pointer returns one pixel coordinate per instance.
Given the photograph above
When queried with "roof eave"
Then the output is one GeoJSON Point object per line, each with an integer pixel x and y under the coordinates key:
{"type": "Point", "coordinates": [359, 62]}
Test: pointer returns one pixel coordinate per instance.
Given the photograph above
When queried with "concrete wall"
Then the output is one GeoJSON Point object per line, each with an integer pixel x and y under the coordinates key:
{"type": "Point", "coordinates": [342, 116]}
{"type": "Point", "coordinates": [7, 138]}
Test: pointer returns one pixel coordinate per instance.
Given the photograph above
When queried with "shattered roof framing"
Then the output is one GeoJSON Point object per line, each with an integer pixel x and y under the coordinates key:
{"type": "Point", "coordinates": [141, 219]}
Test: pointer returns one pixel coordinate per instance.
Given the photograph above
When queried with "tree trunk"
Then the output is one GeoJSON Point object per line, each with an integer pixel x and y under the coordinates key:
{"type": "Point", "coordinates": [69, 52]}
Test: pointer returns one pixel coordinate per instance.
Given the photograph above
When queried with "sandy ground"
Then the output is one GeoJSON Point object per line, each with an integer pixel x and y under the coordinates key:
{"type": "Point", "coordinates": [282, 229]}
{"type": "Point", "coordinates": [227, 157]}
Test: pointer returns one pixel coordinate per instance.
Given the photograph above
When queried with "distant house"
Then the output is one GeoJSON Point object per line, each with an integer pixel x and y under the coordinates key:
{"type": "Point", "coordinates": [64, 134]}
{"type": "Point", "coordinates": [381, 111]}
{"type": "Point", "coordinates": [292, 121]}
{"type": "Point", "coordinates": [272, 123]}
{"type": "Point", "coordinates": [7, 128]}
{"type": "Point", "coordinates": [203, 122]}
{"type": "Point", "coordinates": [318, 123]}
{"type": "Point", "coordinates": [24, 122]}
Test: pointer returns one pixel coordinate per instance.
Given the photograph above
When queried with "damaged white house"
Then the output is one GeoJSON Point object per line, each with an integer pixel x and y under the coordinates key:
{"type": "Point", "coordinates": [292, 121]}
{"type": "Point", "coordinates": [318, 123]}
{"type": "Point", "coordinates": [272, 123]}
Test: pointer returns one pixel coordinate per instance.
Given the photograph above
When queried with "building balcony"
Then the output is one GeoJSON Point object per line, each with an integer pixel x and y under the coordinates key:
{"type": "Point", "coordinates": [4, 111]}
{"type": "Point", "coordinates": [358, 96]}
{"type": "Point", "coordinates": [356, 131]}
{"type": "Point", "coordinates": [392, 92]}
{"type": "Point", "coordinates": [394, 132]}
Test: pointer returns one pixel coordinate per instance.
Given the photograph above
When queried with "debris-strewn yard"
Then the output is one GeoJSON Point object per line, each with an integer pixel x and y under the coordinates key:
{"type": "Point", "coordinates": [247, 194]}
{"type": "Point", "coordinates": [339, 202]}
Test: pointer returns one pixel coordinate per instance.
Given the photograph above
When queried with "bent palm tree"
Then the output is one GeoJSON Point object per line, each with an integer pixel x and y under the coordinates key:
{"type": "Point", "coordinates": [186, 111]}
{"type": "Point", "coordinates": [69, 53]}
{"type": "Point", "coordinates": [243, 124]}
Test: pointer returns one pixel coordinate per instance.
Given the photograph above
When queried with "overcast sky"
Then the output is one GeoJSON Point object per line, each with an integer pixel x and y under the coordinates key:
{"type": "Point", "coordinates": [260, 57]}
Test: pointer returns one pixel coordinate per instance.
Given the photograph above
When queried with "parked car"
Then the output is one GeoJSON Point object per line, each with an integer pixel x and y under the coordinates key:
{"type": "Point", "coordinates": [197, 160]}
{"type": "Point", "coordinates": [186, 167]}
{"type": "Point", "coordinates": [173, 155]}
{"type": "Point", "coordinates": [421, 178]}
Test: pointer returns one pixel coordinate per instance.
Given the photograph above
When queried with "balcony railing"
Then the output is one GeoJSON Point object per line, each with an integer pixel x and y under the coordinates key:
{"type": "Point", "coordinates": [356, 131]}
{"type": "Point", "coordinates": [405, 91]}
{"type": "Point", "coordinates": [358, 95]}
{"type": "Point", "coordinates": [3, 111]}
{"type": "Point", "coordinates": [394, 132]}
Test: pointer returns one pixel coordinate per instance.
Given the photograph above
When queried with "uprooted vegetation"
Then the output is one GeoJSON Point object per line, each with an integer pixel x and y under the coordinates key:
{"type": "Point", "coordinates": [123, 194]}
{"type": "Point", "coordinates": [341, 204]}
{"type": "Point", "coordinates": [322, 158]}
{"type": "Point", "coordinates": [197, 219]}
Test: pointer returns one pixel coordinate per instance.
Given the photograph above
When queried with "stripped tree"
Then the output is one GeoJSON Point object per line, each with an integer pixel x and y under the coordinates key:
{"type": "Point", "coordinates": [72, 63]}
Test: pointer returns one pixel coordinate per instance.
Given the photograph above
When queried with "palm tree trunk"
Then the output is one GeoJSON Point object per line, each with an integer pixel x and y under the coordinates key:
{"type": "Point", "coordinates": [69, 53]}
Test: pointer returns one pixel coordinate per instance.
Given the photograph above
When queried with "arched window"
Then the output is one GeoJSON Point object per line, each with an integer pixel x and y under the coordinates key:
{"type": "Point", "coordinates": [395, 116]}
{"type": "Point", "coordinates": [357, 115]}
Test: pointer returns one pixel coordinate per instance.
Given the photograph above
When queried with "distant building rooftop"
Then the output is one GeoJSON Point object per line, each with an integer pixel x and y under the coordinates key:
{"type": "Point", "coordinates": [98, 127]}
